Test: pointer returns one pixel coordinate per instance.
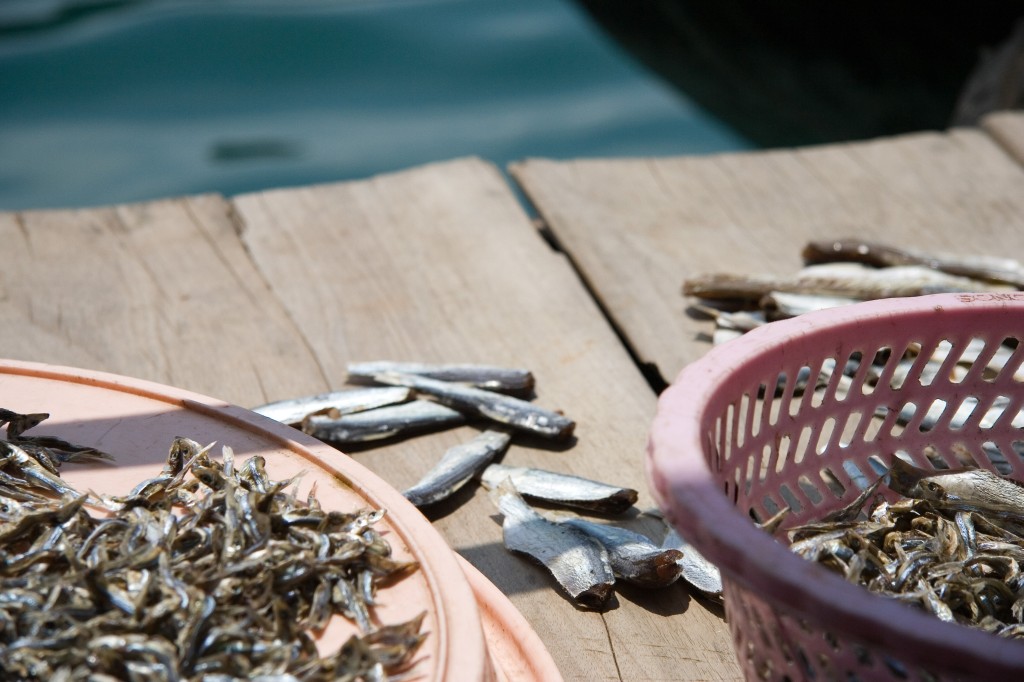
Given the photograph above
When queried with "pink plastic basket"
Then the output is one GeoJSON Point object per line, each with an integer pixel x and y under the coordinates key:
{"type": "Point", "coordinates": [732, 441]}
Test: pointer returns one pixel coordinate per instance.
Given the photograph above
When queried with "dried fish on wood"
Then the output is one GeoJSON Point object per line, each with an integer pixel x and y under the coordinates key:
{"type": "Point", "coordinates": [334, 403]}
{"type": "Point", "coordinates": [577, 561]}
{"type": "Point", "coordinates": [382, 422]}
{"type": "Point", "coordinates": [789, 304]}
{"type": "Point", "coordinates": [847, 280]}
{"type": "Point", "coordinates": [633, 557]}
{"type": "Point", "coordinates": [490, 377]}
{"type": "Point", "coordinates": [986, 268]}
{"type": "Point", "coordinates": [459, 464]}
{"type": "Point", "coordinates": [696, 570]}
{"type": "Point", "coordinates": [497, 407]}
{"type": "Point", "coordinates": [562, 489]}
{"type": "Point", "coordinates": [231, 586]}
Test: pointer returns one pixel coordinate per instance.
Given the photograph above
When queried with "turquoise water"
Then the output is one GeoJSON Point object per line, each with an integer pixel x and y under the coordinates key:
{"type": "Point", "coordinates": [129, 101]}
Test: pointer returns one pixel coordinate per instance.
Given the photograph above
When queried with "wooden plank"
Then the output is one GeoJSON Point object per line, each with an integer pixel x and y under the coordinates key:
{"type": "Point", "coordinates": [1007, 128]}
{"type": "Point", "coordinates": [636, 228]}
{"type": "Point", "coordinates": [160, 290]}
{"type": "Point", "coordinates": [440, 264]}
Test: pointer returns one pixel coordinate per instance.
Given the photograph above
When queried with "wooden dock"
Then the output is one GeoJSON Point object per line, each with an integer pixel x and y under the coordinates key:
{"type": "Point", "coordinates": [268, 295]}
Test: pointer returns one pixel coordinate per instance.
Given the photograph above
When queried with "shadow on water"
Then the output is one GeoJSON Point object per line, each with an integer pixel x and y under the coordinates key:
{"type": "Point", "coordinates": [786, 73]}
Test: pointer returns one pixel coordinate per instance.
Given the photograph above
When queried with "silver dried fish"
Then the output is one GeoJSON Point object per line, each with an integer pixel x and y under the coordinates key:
{"type": "Point", "coordinates": [459, 464]}
{"type": "Point", "coordinates": [562, 489]}
{"type": "Point", "coordinates": [503, 409]}
{"type": "Point", "coordinates": [987, 268]}
{"type": "Point", "coordinates": [696, 570]}
{"type": "Point", "coordinates": [488, 377]}
{"type": "Point", "coordinates": [382, 422]}
{"type": "Point", "coordinates": [577, 561]}
{"type": "Point", "coordinates": [847, 280]}
{"type": "Point", "coordinates": [294, 410]}
{"type": "Point", "coordinates": [966, 489]}
{"type": "Point", "coordinates": [633, 557]}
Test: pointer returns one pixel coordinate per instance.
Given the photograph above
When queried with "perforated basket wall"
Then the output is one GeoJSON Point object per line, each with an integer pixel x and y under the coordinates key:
{"type": "Point", "coordinates": [736, 438]}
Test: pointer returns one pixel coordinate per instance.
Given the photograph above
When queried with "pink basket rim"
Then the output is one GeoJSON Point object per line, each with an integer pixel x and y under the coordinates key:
{"type": "Point", "coordinates": [695, 503]}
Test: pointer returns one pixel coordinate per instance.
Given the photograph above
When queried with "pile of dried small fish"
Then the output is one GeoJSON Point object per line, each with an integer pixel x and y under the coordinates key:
{"type": "Point", "coordinates": [585, 557]}
{"type": "Point", "coordinates": [952, 546]}
{"type": "Point", "coordinates": [207, 571]}
{"type": "Point", "coordinates": [843, 271]}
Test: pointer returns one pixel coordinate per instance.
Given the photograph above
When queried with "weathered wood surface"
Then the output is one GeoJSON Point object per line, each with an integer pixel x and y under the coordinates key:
{"type": "Point", "coordinates": [1007, 128]}
{"type": "Point", "coordinates": [440, 264]}
{"type": "Point", "coordinates": [269, 296]}
{"type": "Point", "coordinates": [637, 228]}
{"type": "Point", "coordinates": [161, 291]}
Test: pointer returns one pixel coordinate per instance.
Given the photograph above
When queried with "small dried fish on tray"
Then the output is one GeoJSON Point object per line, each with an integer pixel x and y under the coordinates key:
{"type": "Point", "coordinates": [207, 571]}
{"type": "Point", "coordinates": [952, 546]}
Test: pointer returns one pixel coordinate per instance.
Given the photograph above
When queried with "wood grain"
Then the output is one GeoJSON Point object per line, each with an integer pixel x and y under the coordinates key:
{"type": "Point", "coordinates": [440, 264]}
{"type": "Point", "coordinates": [636, 228]}
{"type": "Point", "coordinates": [161, 290]}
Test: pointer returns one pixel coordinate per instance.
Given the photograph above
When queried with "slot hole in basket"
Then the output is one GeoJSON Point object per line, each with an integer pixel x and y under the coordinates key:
{"type": "Point", "coordinates": [752, 466]}
{"type": "Point", "coordinates": [802, 443]}
{"type": "Point", "coordinates": [972, 352]}
{"type": "Point", "coordinates": [805, 381]}
{"type": "Point", "coordinates": [879, 467]}
{"type": "Point", "coordinates": [789, 498]}
{"type": "Point", "coordinates": [875, 370]}
{"type": "Point", "coordinates": [1011, 368]}
{"type": "Point", "coordinates": [936, 363]}
{"type": "Point", "coordinates": [825, 379]}
{"type": "Point", "coordinates": [855, 475]}
{"type": "Point", "coordinates": [932, 415]}
{"type": "Point", "coordinates": [995, 414]}
{"type": "Point", "coordinates": [741, 420]}
{"type": "Point", "coordinates": [994, 454]}
{"type": "Point", "coordinates": [770, 506]}
{"type": "Point", "coordinates": [1001, 360]}
{"type": "Point", "coordinates": [904, 416]}
{"type": "Point", "coordinates": [828, 427]}
{"type": "Point", "coordinates": [810, 490]}
{"type": "Point", "coordinates": [783, 450]}
{"type": "Point", "coordinates": [779, 461]}
{"type": "Point", "coordinates": [874, 425]}
{"type": "Point", "coordinates": [963, 456]}
{"type": "Point", "coordinates": [935, 458]}
{"type": "Point", "coordinates": [727, 431]}
{"type": "Point", "coordinates": [850, 429]}
{"type": "Point", "coordinates": [831, 482]}
{"type": "Point", "coordinates": [963, 413]}
{"type": "Point", "coordinates": [757, 413]}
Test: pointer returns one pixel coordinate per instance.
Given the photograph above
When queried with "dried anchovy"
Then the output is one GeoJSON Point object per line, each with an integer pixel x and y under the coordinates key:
{"type": "Point", "coordinates": [224, 574]}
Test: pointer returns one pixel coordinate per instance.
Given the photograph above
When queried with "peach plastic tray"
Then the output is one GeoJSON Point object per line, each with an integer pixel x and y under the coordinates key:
{"type": "Point", "coordinates": [136, 420]}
